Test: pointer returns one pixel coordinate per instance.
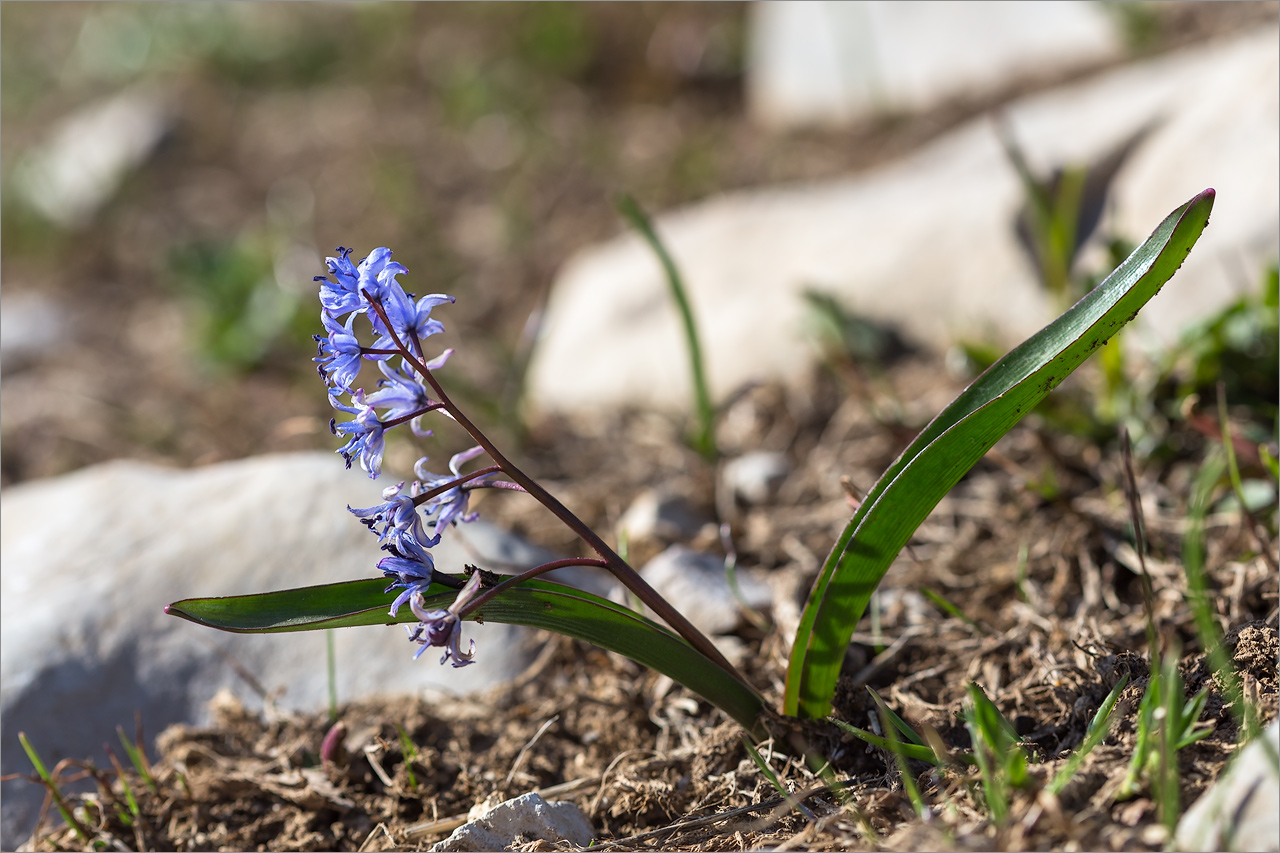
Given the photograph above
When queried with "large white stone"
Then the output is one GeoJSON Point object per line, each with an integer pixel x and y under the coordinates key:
{"type": "Point", "coordinates": [833, 63]}
{"type": "Point", "coordinates": [91, 559]}
{"type": "Point", "coordinates": [927, 242]}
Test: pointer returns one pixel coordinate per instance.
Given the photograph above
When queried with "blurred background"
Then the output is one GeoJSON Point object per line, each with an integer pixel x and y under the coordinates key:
{"type": "Point", "coordinates": [175, 173]}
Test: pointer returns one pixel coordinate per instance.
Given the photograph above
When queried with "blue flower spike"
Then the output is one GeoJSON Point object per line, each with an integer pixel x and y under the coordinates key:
{"type": "Point", "coordinates": [371, 289]}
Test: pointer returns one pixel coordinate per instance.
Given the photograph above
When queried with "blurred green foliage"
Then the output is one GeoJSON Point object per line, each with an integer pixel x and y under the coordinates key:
{"type": "Point", "coordinates": [555, 38]}
{"type": "Point", "coordinates": [1138, 21]}
{"type": "Point", "coordinates": [1239, 347]}
{"type": "Point", "coordinates": [843, 335]}
{"type": "Point", "coordinates": [240, 311]}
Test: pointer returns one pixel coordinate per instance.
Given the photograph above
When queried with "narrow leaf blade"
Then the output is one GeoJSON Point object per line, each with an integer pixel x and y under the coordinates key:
{"type": "Point", "coordinates": [534, 604]}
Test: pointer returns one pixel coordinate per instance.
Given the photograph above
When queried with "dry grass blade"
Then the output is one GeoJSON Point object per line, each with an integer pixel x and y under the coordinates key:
{"type": "Point", "coordinates": [1134, 502]}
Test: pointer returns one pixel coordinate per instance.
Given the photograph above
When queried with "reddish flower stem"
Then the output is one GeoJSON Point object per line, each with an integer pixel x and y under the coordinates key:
{"type": "Point", "coordinates": [493, 592]}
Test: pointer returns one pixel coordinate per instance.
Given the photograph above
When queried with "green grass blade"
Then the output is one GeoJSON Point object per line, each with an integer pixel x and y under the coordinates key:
{"type": "Point", "coordinates": [1169, 733]}
{"type": "Point", "coordinates": [130, 800]}
{"type": "Point", "coordinates": [1199, 598]}
{"type": "Point", "coordinates": [535, 604]}
{"type": "Point", "coordinates": [951, 610]}
{"type": "Point", "coordinates": [1144, 731]}
{"type": "Point", "coordinates": [705, 439]}
{"type": "Point", "coordinates": [410, 753]}
{"type": "Point", "coordinates": [58, 800]}
{"type": "Point", "coordinates": [955, 440]}
{"type": "Point", "coordinates": [898, 723]}
{"type": "Point", "coordinates": [137, 759]}
{"type": "Point", "coordinates": [989, 772]}
{"type": "Point", "coordinates": [1098, 729]}
{"type": "Point", "coordinates": [890, 728]}
{"type": "Point", "coordinates": [1002, 763]}
{"type": "Point", "coordinates": [906, 750]}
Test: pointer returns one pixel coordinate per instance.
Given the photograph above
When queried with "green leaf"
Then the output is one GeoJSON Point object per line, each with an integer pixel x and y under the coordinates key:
{"type": "Point", "coordinates": [906, 750]}
{"type": "Point", "coordinates": [535, 604]}
{"type": "Point", "coordinates": [335, 605]}
{"type": "Point", "coordinates": [1099, 728]}
{"type": "Point", "coordinates": [955, 440]}
{"type": "Point", "coordinates": [898, 723]}
{"type": "Point", "coordinates": [705, 439]}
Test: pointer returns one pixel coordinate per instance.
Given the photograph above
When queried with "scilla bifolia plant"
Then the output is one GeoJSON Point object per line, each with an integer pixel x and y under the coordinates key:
{"type": "Point", "coordinates": [365, 300]}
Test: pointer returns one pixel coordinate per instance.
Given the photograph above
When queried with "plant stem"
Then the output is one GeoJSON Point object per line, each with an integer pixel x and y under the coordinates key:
{"type": "Point", "coordinates": [494, 591]}
{"type": "Point", "coordinates": [615, 564]}
{"type": "Point", "coordinates": [455, 483]}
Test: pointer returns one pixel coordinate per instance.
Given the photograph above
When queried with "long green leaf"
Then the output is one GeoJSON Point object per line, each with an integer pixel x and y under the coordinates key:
{"type": "Point", "coordinates": [955, 440]}
{"type": "Point", "coordinates": [535, 604]}
{"type": "Point", "coordinates": [705, 439]}
{"type": "Point", "coordinates": [335, 605]}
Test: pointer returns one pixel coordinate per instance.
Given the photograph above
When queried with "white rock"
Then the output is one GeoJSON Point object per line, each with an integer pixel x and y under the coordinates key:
{"type": "Point", "coordinates": [91, 559]}
{"type": "Point", "coordinates": [655, 516]}
{"type": "Point", "coordinates": [89, 154]}
{"type": "Point", "coordinates": [31, 325]}
{"type": "Point", "coordinates": [1239, 811]}
{"type": "Point", "coordinates": [755, 477]}
{"type": "Point", "coordinates": [523, 819]}
{"type": "Point", "coordinates": [821, 62]}
{"type": "Point", "coordinates": [695, 583]}
{"type": "Point", "coordinates": [926, 243]}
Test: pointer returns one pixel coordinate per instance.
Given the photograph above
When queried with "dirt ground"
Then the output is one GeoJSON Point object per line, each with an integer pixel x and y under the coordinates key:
{"type": "Point", "coordinates": [1034, 546]}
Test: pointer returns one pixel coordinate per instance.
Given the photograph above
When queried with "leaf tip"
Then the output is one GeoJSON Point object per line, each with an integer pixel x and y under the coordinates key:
{"type": "Point", "coordinates": [175, 610]}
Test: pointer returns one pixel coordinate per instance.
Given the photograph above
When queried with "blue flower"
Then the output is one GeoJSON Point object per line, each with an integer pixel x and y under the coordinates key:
{"type": "Point", "coordinates": [409, 320]}
{"type": "Point", "coordinates": [338, 353]}
{"type": "Point", "coordinates": [400, 522]}
{"type": "Point", "coordinates": [444, 627]}
{"type": "Point", "coordinates": [366, 441]}
{"type": "Point", "coordinates": [401, 394]}
{"type": "Point", "coordinates": [377, 273]}
{"type": "Point", "coordinates": [450, 505]}
{"type": "Point", "coordinates": [341, 296]}
{"type": "Point", "coordinates": [412, 575]}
